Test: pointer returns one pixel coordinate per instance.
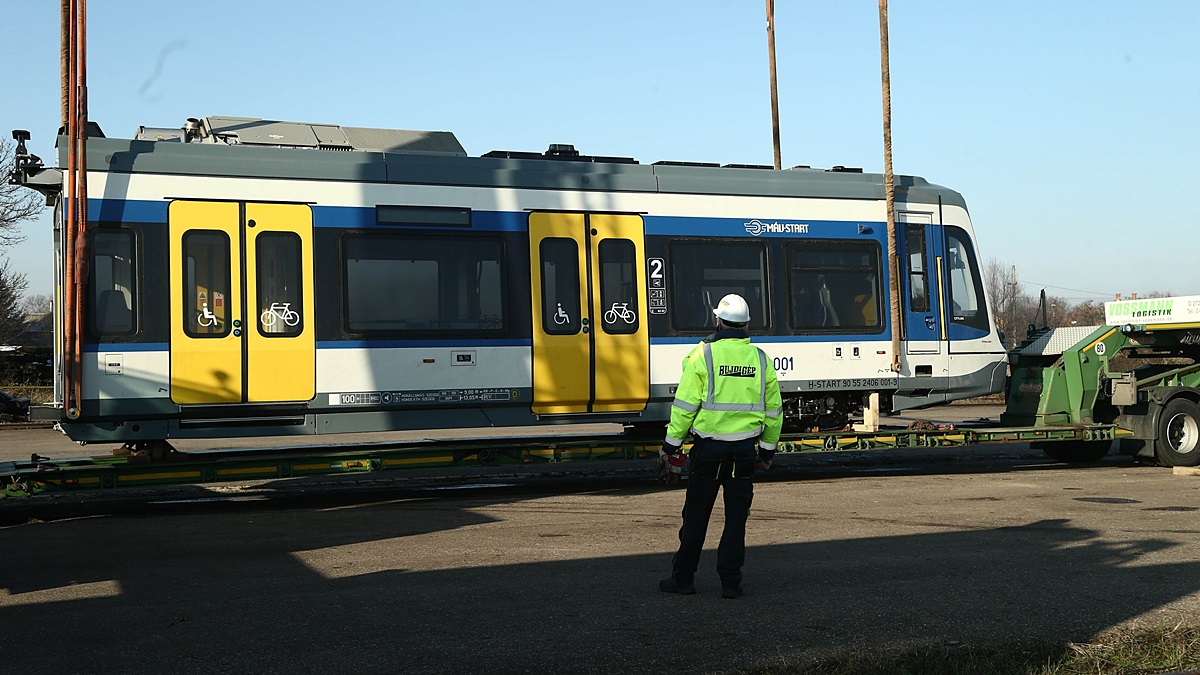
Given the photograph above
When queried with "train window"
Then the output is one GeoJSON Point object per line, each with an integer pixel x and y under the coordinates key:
{"type": "Point", "coordinates": [560, 286]}
{"type": "Point", "coordinates": [834, 285]}
{"type": "Point", "coordinates": [918, 270]}
{"type": "Point", "coordinates": [703, 272]}
{"type": "Point", "coordinates": [112, 284]}
{"type": "Point", "coordinates": [404, 285]}
{"type": "Point", "coordinates": [966, 289]}
{"type": "Point", "coordinates": [618, 287]}
{"type": "Point", "coordinates": [206, 284]}
{"type": "Point", "coordinates": [279, 309]}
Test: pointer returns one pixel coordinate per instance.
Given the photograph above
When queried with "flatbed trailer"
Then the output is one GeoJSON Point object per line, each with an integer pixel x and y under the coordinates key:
{"type": "Point", "coordinates": [1072, 392]}
{"type": "Point", "coordinates": [45, 475]}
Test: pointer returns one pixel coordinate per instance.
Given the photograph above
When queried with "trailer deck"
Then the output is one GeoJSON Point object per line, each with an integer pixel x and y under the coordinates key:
{"type": "Point", "coordinates": [46, 475]}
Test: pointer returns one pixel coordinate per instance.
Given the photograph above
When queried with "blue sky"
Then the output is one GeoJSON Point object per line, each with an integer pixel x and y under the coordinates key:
{"type": "Point", "coordinates": [1070, 127]}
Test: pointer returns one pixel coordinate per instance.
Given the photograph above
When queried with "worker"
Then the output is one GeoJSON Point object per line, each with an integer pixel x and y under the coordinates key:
{"type": "Point", "coordinates": [728, 398]}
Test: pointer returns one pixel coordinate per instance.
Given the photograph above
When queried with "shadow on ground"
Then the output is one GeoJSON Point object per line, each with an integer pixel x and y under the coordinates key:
{"type": "Point", "coordinates": [253, 589]}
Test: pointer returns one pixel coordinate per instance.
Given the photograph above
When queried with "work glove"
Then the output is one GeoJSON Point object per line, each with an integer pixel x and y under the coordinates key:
{"type": "Point", "coordinates": [670, 463]}
{"type": "Point", "coordinates": [763, 461]}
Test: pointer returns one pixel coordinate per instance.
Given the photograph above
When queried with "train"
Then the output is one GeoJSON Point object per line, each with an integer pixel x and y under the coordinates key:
{"type": "Point", "coordinates": [259, 277]}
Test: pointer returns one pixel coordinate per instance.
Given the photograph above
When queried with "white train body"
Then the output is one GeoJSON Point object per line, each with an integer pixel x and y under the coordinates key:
{"type": "Point", "coordinates": [245, 282]}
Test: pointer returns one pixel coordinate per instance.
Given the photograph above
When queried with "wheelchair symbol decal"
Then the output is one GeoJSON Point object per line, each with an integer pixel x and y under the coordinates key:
{"type": "Point", "coordinates": [206, 318]}
{"type": "Point", "coordinates": [561, 317]}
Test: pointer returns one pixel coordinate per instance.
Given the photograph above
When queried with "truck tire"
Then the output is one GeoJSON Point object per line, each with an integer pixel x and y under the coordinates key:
{"type": "Point", "coordinates": [1178, 442]}
{"type": "Point", "coordinates": [1077, 452]}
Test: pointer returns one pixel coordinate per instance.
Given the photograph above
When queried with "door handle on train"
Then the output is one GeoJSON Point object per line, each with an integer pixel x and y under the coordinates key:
{"type": "Point", "coordinates": [929, 322]}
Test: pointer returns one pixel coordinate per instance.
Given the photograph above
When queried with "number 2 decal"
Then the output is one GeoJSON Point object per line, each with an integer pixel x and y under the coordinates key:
{"type": "Point", "coordinates": [657, 286]}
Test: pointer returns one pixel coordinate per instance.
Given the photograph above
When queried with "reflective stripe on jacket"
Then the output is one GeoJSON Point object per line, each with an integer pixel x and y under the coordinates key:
{"type": "Point", "coordinates": [728, 391]}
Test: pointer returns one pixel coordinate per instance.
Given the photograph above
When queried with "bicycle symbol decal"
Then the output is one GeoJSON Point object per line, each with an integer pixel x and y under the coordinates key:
{"type": "Point", "coordinates": [206, 318]}
{"type": "Point", "coordinates": [280, 311]}
{"type": "Point", "coordinates": [620, 310]}
{"type": "Point", "coordinates": [561, 317]}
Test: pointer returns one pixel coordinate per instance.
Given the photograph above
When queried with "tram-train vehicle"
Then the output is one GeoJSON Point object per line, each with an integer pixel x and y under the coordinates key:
{"type": "Point", "coordinates": [256, 277]}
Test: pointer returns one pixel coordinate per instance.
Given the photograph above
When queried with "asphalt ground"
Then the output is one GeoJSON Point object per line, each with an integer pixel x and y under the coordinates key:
{"type": "Point", "coordinates": [558, 573]}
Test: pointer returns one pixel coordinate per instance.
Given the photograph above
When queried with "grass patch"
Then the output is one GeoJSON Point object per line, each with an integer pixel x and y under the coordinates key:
{"type": "Point", "coordinates": [1132, 651]}
{"type": "Point", "coordinates": [37, 394]}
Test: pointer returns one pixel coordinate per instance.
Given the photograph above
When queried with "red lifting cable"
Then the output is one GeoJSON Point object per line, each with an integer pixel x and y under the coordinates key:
{"type": "Point", "coordinates": [68, 290]}
{"type": "Point", "coordinates": [81, 241]}
{"type": "Point", "coordinates": [75, 238]}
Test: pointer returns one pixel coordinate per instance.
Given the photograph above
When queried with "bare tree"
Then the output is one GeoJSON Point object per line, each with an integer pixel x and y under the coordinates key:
{"type": "Point", "coordinates": [1086, 313]}
{"type": "Point", "coordinates": [17, 204]}
{"type": "Point", "coordinates": [36, 305]}
{"type": "Point", "coordinates": [1014, 309]}
{"type": "Point", "coordinates": [12, 317]}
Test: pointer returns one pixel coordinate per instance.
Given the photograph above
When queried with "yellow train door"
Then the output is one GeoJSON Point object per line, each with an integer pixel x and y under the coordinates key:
{"type": "Point", "coordinates": [242, 325]}
{"type": "Point", "coordinates": [591, 344]}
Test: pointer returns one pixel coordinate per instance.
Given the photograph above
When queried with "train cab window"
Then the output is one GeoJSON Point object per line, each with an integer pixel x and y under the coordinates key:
{"type": "Point", "coordinates": [560, 286]}
{"type": "Point", "coordinates": [703, 272]}
{"type": "Point", "coordinates": [618, 287]}
{"type": "Point", "coordinates": [834, 285]}
{"type": "Point", "coordinates": [918, 270]}
{"type": "Point", "coordinates": [112, 287]}
{"type": "Point", "coordinates": [406, 285]}
{"type": "Point", "coordinates": [966, 288]}
{"type": "Point", "coordinates": [206, 284]}
{"type": "Point", "coordinates": [279, 307]}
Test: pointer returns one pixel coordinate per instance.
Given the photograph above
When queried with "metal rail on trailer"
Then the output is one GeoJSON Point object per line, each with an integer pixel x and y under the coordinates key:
{"type": "Point", "coordinates": [41, 475]}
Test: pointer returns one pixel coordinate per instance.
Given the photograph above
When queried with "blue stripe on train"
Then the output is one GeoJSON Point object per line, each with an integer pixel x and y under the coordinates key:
{"type": "Point", "coordinates": [141, 211]}
{"type": "Point", "coordinates": [127, 211]}
{"type": "Point", "coordinates": [144, 211]}
{"type": "Point", "coordinates": [364, 217]}
{"type": "Point", "coordinates": [764, 228]}
{"type": "Point", "coordinates": [93, 348]}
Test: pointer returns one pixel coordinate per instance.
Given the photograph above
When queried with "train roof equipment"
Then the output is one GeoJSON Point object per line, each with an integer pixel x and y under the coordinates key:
{"type": "Point", "coordinates": [248, 147]}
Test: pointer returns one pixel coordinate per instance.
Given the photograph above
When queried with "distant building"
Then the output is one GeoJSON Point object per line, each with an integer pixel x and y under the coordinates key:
{"type": "Point", "coordinates": [39, 330]}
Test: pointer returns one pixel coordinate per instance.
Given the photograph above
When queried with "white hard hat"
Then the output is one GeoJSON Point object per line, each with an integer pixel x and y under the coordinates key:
{"type": "Point", "coordinates": [732, 308]}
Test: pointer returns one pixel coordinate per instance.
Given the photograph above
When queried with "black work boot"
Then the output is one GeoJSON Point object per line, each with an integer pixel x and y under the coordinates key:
{"type": "Point", "coordinates": [731, 592]}
{"type": "Point", "coordinates": [676, 585]}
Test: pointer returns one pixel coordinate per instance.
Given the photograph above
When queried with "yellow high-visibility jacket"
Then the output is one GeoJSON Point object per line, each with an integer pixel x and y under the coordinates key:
{"type": "Point", "coordinates": [729, 392]}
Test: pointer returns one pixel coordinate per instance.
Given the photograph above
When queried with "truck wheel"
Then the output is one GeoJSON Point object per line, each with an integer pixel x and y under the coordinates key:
{"type": "Point", "coordinates": [1077, 452]}
{"type": "Point", "coordinates": [1179, 434]}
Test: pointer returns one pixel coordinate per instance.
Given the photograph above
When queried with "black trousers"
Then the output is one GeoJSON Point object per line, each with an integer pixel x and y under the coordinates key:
{"type": "Point", "coordinates": [716, 465]}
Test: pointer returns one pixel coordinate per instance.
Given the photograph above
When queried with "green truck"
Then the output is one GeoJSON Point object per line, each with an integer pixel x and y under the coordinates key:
{"type": "Point", "coordinates": [1140, 372]}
